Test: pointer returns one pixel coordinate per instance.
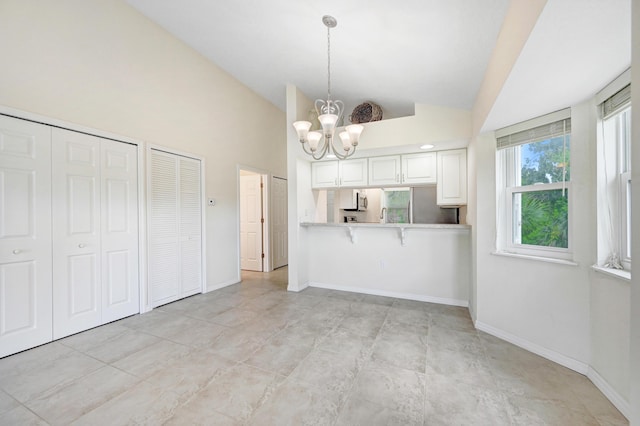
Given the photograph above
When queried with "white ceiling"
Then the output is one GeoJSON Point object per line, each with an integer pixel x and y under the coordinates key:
{"type": "Point", "coordinates": [420, 51]}
{"type": "Point", "coordinates": [394, 54]}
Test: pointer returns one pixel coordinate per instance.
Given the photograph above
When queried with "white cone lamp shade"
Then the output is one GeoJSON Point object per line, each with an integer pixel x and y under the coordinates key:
{"type": "Point", "coordinates": [328, 123]}
{"type": "Point", "coordinates": [314, 139]}
{"type": "Point", "coordinates": [302, 128]}
{"type": "Point", "coordinates": [346, 141]}
{"type": "Point", "coordinates": [354, 130]}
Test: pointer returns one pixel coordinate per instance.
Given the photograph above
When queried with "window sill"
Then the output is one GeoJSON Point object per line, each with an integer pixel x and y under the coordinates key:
{"type": "Point", "coordinates": [537, 258]}
{"type": "Point", "coordinates": [621, 274]}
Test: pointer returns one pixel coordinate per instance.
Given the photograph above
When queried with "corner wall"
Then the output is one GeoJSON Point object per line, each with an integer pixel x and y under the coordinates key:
{"type": "Point", "coordinates": [103, 65]}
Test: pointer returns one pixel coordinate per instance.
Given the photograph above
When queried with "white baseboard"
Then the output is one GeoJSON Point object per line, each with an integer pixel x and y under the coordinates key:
{"type": "Point", "coordinates": [554, 356]}
{"type": "Point", "coordinates": [300, 287]}
{"type": "Point", "coordinates": [409, 296]}
{"type": "Point", "coordinates": [218, 286]}
{"type": "Point", "coordinates": [616, 399]}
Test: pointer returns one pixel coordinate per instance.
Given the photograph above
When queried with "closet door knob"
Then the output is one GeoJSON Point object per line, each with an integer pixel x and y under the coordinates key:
{"type": "Point", "coordinates": [16, 251]}
{"type": "Point", "coordinates": [81, 246]}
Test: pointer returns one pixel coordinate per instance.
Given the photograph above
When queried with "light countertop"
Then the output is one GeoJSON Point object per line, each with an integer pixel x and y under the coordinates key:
{"type": "Point", "coordinates": [387, 225]}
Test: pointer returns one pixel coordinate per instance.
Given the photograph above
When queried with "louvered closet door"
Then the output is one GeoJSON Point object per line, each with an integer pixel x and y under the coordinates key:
{"type": "Point", "coordinates": [119, 230]}
{"type": "Point", "coordinates": [76, 232]}
{"type": "Point", "coordinates": [175, 254]}
{"type": "Point", "coordinates": [25, 235]}
{"type": "Point", "coordinates": [190, 227]}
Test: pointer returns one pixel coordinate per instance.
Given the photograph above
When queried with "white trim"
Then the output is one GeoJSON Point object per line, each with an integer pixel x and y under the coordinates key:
{"type": "Point", "coordinates": [621, 274]}
{"type": "Point", "coordinates": [614, 397]}
{"type": "Point", "coordinates": [409, 296]}
{"type": "Point", "coordinates": [536, 258]}
{"type": "Point", "coordinates": [549, 354]}
{"type": "Point", "coordinates": [54, 122]}
{"type": "Point", "coordinates": [614, 87]}
{"type": "Point", "coordinates": [299, 288]}
{"type": "Point", "coordinates": [534, 122]}
{"type": "Point", "coordinates": [218, 286]}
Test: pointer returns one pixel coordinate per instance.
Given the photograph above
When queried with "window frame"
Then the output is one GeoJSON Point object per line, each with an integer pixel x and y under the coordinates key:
{"type": "Point", "coordinates": [508, 183]}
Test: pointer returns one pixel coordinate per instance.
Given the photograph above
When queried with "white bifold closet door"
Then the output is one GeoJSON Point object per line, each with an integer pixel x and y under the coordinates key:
{"type": "Point", "coordinates": [175, 227]}
{"type": "Point", "coordinates": [95, 231]}
{"type": "Point", "coordinates": [25, 235]}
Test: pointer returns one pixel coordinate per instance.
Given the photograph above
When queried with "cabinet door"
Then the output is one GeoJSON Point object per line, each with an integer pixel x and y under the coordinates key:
{"type": "Point", "coordinates": [419, 168]}
{"type": "Point", "coordinates": [353, 173]}
{"type": "Point", "coordinates": [76, 232]}
{"type": "Point", "coordinates": [25, 235]}
{"type": "Point", "coordinates": [452, 178]}
{"type": "Point", "coordinates": [324, 174]}
{"type": "Point", "coordinates": [384, 170]}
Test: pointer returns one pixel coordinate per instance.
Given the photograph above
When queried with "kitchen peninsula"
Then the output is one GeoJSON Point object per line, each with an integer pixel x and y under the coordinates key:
{"type": "Point", "coordinates": [426, 262]}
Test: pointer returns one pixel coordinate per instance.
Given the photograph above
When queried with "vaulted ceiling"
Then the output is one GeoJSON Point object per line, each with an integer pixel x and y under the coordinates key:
{"type": "Point", "coordinates": [398, 54]}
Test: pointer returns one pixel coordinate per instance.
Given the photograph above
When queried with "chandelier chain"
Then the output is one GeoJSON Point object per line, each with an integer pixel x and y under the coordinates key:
{"type": "Point", "coordinates": [328, 63]}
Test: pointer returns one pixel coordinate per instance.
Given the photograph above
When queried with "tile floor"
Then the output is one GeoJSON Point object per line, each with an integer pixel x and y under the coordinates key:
{"type": "Point", "coordinates": [255, 354]}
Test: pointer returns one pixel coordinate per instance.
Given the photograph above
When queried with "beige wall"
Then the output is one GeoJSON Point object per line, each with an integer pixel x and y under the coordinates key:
{"type": "Point", "coordinates": [103, 65]}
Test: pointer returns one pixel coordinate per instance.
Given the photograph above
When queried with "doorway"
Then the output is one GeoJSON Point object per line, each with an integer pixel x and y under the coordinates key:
{"type": "Point", "coordinates": [253, 221]}
{"type": "Point", "coordinates": [263, 225]}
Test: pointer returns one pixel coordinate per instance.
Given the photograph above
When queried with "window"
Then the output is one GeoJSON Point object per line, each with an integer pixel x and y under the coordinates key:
{"type": "Point", "coordinates": [533, 166]}
{"type": "Point", "coordinates": [614, 181]}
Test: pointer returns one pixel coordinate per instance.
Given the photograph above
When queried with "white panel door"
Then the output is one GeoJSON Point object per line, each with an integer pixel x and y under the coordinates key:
{"type": "Point", "coordinates": [190, 227]}
{"type": "Point", "coordinates": [175, 227]}
{"type": "Point", "coordinates": [119, 230]}
{"type": "Point", "coordinates": [25, 235]}
{"type": "Point", "coordinates": [76, 232]}
{"type": "Point", "coordinates": [279, 234]}
{"type": "Point", "coordinates": [251, 223]}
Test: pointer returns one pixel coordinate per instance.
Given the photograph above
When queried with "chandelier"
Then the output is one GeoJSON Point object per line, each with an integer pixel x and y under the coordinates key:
{"type": "Point", "coordinates": [318, 144]}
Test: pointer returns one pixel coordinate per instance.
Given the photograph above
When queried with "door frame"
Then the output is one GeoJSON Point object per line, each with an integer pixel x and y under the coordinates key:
{"type": "Point", "coordinates": [203, 219]}
{"type": "Point", "coordinates": [141, 154]}
{"type": "Point", "coordinates": [267, 264]}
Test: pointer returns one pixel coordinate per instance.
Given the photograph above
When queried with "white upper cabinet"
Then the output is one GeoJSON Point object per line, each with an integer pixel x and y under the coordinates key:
{"type": "Point", "coordinates": [419, 168]}
{"type": "Point", "coordinates": [384, 170]}
{"type": "Point", "coordinates": [353, 172]}
{"type": "Point", "coordinates": [452, 178]}
{"type": "Point", "coordinates": [324, 174]}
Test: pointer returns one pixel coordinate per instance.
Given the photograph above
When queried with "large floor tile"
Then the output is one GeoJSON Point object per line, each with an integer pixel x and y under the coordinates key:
{"type": "Point", "coordinates": [329, 373]}
{"type": "Point", "coordinates": [48, 375]}
{"type": "Point", "coordinates": [294, 404]}
{"type": "Point", "coordinates": [401, 391]}
{"type": "Point", "coordinates": [358, 411]}
{"type": "Point", "coordinates": [21, 416]}
{"type": "Point", "coordinates": [143, 404]}
{"type": "Point", "coordinates": [7, 402]}
{"type": "Point", "coordinates": [403, 351]}
{"type": "Point", "coordinates": [152, 359]}
{"type": "Point", "coordinates": [238, 391]}
{"type": "Point", "coordinates": [62, 406]}
{"type": "Point", "coordinates": [278, 357]}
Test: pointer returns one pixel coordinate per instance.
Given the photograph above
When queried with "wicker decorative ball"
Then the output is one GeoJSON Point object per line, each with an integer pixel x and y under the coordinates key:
{"type": "Point", "coordinates": [365, 113]}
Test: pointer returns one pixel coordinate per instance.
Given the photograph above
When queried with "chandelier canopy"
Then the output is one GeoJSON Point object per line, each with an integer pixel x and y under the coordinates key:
{"type": "Point", "coordinates": [330, 112]}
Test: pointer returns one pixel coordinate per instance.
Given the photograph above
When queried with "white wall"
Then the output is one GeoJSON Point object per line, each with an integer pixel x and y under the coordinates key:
{"type": "Point", "coordinates": [543, 306]}
{"type": "Point", "coordinates": [433, 265]}
{"type": "Point", "coordinates": [635, 278]}
{"type": "Point", "coordinates": [103, 65]}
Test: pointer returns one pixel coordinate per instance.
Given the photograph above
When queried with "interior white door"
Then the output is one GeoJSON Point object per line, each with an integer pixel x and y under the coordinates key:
{"type": "Point", "coordinates": [190, 227]}
{"type": "Point", "coordinates": [25, 235]}
{"type": "Point", "coordinates": [279, 224]}
{"type": "Point", "coordinates": [119, 230]}
{"type": "Point", "coordinates": [164, 249]}
{"type": "Point", "coordinates": [251, 222]}
{"type": "Point", "coordinates": [76, 232]}
{"type": "Point", "coordinates": [175, 231]}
